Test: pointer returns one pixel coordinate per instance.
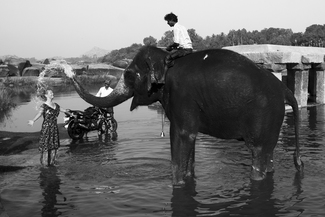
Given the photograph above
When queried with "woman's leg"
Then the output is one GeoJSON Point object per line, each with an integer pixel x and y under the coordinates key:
{"type": "Point", "coordinates": [52, 155]}
{"type": "Point", "coordinates": [44, 158]}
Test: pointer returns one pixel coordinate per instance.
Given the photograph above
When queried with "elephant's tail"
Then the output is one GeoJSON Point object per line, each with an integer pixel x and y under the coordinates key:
{"type": "Point", "coordinates": [291, 100]}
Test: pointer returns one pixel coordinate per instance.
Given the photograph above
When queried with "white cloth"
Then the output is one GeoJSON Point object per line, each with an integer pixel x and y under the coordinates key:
{"type": "Point", "coordinates": [181, 36]}
{"type": "Point", "coordinates": [104, 92]}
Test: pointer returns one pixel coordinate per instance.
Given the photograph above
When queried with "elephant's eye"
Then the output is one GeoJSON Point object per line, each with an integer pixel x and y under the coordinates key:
{"type": "Point", "coordinates": [138, 74]}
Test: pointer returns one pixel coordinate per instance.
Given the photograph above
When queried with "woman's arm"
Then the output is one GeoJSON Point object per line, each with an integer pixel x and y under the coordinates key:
{"type": "Point", "coordinates": [31, 122]}
{"type": "Point", "coordinates": [65, 111]}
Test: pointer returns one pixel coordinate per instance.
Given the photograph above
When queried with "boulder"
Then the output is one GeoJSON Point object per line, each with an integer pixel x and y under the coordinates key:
{"type": "Point", "coordinates": [13, 70]}
{"type": "Point", "coordinates": [31, 71]}
{"type": "Point", "coordinates": [22, 65]}
{"type": "Point", "coordinates": [46, 61]}
{"type": "Point", "coordinates": [39, 65]}
{"type": "Point", "coordinates": [13, 60]}
{"type": "Point", "coordinates": [97, 69]}
{"type": "Point", "coordinates": [79, 69]}
{"type": "Point", "coordinates": [122, 63]}
{"type": "Point", "coordinates": [4, 71]}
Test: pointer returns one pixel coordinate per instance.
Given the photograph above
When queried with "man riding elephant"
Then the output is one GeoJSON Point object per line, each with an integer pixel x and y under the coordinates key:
{"type": "Point", "coordinates": [182, 42]}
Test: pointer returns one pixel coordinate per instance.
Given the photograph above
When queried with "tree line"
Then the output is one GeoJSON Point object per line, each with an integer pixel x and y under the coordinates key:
{"type": "Point", "coordinates": [314, 36]}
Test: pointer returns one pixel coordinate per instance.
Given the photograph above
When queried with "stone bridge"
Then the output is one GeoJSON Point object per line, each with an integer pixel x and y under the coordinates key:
{"type": "Point", "coordinates": [300, 68]}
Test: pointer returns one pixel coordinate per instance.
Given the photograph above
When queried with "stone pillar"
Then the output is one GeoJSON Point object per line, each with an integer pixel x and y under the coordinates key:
{"type": "Point", "coordinates": [319, 82]}
{"type": "Point", "coordinates": [298, 81]}
{"type": "Point", "coordinates": [320, 87]}
{"type": "Point", "coordinates": [312, 84]}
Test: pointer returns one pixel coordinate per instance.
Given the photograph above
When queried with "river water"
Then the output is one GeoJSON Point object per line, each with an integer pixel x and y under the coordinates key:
{"type": "Point", "coordinates": [130, 175]}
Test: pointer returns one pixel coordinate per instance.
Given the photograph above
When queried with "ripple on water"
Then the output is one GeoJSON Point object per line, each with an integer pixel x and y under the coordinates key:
{"type": "Point", "coordinates": [131, 177]}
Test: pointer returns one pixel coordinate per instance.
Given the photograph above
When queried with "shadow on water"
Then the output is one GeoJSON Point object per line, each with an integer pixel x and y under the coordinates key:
{"type": "Point", "coordinates": [4, 169]}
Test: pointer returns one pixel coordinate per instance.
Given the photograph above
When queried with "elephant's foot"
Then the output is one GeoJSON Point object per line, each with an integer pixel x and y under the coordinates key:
{"type": "Point", "coordinates": [298, 162]}
{"type": "Point", "coordinates": [269, 163]}
{"type": "Point", "coordinates": [257, 174]}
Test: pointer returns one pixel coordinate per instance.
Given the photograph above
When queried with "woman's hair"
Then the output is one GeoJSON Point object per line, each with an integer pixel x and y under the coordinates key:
{"type": "Point", "coordinates": [171, 17]}
{"type": "Point", "coordinates": [41, 92]}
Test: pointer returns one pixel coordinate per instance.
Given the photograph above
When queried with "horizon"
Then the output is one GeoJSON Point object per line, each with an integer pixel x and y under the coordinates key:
{"type": "Point", "coordinates": [45, 29]}
{"type": "Point", "coordinates": [60, 57]}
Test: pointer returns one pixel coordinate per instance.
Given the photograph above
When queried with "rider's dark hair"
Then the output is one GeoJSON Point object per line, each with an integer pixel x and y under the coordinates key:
{"type": "Point", "coordinates": [171, 17]}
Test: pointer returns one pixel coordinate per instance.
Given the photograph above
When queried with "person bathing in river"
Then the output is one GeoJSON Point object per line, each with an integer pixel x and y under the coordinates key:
{"type": "Point", "coordinates": [49, 141]}
{"type": "Point", "coordinates": [105, 91]}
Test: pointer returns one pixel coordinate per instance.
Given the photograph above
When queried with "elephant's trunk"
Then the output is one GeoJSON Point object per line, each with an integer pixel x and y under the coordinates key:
{"type": "Point", "coordinates": [120, 94]}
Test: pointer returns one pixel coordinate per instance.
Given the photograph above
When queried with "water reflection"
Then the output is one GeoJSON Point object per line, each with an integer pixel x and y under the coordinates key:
{"type": "Point", "coordinates": [108, 136]}
{"type": "Point", "coordinates": [183, 202]}
{"type": "Point", "coordinates": [50, 184]}
{"type": "Point", "coordinates": [92, 149]}
{"type": "Point", "coordinates": [18, 95]}
{"type": "Point", "coordinates": [256, 199]}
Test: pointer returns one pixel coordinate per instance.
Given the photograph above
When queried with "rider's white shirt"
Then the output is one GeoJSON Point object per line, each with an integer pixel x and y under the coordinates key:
{"type": "Point", "coordinates": [104, 92]}
{"type": "Point", "coordinates": [181, 36]}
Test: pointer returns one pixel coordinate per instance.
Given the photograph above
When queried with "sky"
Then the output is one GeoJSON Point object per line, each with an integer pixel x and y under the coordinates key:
{"type": "Point", "coordinates": [69, 28]}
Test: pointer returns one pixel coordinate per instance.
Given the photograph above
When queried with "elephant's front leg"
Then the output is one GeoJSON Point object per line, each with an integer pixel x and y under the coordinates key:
{"type": "Point", "coordinates": [182, 153]}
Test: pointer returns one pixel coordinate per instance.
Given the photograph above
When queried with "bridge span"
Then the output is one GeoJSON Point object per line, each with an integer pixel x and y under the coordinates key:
{"type": "Point", "coordinates": [302, 69]}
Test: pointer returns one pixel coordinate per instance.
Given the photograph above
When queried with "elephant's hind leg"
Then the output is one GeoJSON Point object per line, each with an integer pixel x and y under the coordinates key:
{"type": "Point", "coordinates": [258, 170]}
{"type": "Point", "coordinates": [262, 157]}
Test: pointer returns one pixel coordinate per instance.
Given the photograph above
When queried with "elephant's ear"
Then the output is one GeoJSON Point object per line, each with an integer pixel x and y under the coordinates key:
{"type": "Point", "coordinates": [156, 72]}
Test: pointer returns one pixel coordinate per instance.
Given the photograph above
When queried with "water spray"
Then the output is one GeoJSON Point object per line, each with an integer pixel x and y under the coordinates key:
{"type": "Point", "coordinates": [50, 70]}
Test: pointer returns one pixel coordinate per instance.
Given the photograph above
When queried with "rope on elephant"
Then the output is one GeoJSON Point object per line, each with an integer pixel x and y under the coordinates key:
{"type": "Point", "coordinates": [162, 134]}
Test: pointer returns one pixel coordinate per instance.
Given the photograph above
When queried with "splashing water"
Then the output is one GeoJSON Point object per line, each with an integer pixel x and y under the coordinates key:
{"type": "Point", "coordinates": [54, 67]}
{"type": "Point", "coordinates": [51, 69]}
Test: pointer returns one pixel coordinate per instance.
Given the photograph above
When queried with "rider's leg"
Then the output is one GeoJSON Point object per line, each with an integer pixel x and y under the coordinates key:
{"type": "Point", "coordinates": [169, 59]}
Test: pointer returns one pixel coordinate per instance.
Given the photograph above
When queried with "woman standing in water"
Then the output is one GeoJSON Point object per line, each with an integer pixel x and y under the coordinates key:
{"type": "Point", "coordinates": [49, 139]}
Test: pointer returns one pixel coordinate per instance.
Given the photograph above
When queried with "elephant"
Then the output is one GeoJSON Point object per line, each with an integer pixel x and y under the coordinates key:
{"type": "Point", "coordinates": [216, 92]}
{"type": "Point", "coordinates": [17, 69]}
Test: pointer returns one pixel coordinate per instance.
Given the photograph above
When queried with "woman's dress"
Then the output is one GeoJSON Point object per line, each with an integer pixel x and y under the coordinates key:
{"type": "Point", "coordinates": [49, 138]}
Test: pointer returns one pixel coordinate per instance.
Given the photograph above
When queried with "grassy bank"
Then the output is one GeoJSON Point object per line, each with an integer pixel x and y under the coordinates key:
{"type": "Point", "coordinates": [5, 101]}
{"type": "Point", "coordinates": [31, 81]}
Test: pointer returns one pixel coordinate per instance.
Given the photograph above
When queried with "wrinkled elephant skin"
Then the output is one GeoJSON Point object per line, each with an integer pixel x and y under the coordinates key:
{"type": "Point", "coordinates": [216, 92]}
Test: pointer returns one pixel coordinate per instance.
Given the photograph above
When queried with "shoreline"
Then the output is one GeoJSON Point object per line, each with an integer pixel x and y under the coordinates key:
{"type": "Point", "coordinates": [28, 80]}
{"type": "Point", "coordinates": [16, 142]}
{"type": "Point", "coordinates": [20, 149]}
